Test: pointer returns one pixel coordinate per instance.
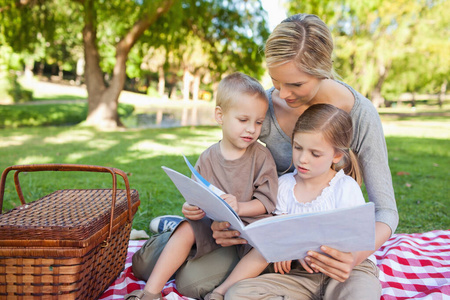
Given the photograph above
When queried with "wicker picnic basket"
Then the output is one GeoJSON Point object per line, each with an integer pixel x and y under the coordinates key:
{"type": "Point", "coordinates": [70, 244]}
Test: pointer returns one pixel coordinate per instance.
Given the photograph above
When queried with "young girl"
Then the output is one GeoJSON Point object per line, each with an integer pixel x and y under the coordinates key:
{"type": "Point", "coordinates": [322, 158]}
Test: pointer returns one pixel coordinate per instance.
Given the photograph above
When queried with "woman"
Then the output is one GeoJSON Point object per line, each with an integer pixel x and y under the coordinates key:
{"type": "Point", "coordinates": [299, 59]}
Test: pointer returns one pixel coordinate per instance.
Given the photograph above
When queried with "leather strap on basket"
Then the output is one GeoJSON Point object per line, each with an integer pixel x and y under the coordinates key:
{"type": "Point", "coordinates": [68, 167]}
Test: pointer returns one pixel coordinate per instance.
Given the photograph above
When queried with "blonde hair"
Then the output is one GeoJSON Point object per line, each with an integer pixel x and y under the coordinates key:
{"type": "Point", "coordinates": [304, 40]}
{"type": "Point", "coordinates": [337, 129]}
{"type": "Point", "coordinates": [233, 86]}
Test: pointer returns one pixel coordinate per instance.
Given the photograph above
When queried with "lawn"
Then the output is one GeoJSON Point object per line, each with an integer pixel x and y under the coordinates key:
{"type": "Point", "coordinates": [418, 146]}
{"type": "Point", "coordinates": [419, 167]}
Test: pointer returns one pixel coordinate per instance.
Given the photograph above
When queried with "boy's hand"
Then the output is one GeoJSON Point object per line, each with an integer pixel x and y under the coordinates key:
{"type": "Point", "coordinates": [282, 266]}
{"type": "Point", "coordinates": [232, 201]}
{"type": "Point", "coordinates": [192, 212]}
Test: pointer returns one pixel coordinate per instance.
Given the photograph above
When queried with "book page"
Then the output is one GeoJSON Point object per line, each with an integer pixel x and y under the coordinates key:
{"type": "Point", "coordinates": [199, 195]}
{"type": "Point", "coordinates": [289, 237]}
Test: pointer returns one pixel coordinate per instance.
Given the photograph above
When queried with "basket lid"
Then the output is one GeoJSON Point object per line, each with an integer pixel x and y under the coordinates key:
{"type": "Point", "coordinates": [72, 215]}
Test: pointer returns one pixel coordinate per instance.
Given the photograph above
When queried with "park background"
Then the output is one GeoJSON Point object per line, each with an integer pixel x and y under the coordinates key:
{"type": "Point", "coordinates": [130, 84]}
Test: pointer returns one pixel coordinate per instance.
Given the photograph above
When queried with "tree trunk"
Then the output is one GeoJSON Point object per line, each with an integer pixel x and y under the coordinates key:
{"type": "Point", "coordinates": [441, 95]}
{"type": "Point", "coordinates": [187, 79]}
{"type": "Point", "coordinates": [377, 97]}
{"type": "Point", "coordinates": [196, 86]}
{"type": "Point", "coordinates": [104, 101]}
{"type": "Point", "coordinates": [161, 81]}
{"type": "Point", "coordinates": [29, 64]}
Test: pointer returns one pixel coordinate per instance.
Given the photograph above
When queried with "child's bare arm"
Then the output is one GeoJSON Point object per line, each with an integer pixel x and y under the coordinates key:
{"type": "Point", "coordinates": [245, 209]}
{"type": "Point", "coordinates": [192, 212]}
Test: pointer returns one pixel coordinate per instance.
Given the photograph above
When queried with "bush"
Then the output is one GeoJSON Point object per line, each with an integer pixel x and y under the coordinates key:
{"type": "Point", "coordinates": [17, 92]}
{"type": "Point", "coordinates": [12, 116]}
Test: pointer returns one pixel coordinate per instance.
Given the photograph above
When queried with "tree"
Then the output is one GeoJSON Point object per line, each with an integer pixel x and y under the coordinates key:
{"type": "Point", "coordinates": [372, 36]}
{"type": "Point", "coordinates": [113, 27]}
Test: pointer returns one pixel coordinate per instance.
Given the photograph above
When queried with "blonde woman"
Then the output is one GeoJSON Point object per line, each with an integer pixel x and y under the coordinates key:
{"type": "Point", "coordinates": [299, 59]}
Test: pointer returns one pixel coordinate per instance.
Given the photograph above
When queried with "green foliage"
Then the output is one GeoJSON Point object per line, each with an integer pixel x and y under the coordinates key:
{"type": "Point", "coordinates": [12, 116]}
{"type": "Point", "coordinates": [401, 45]}
{"type": "Point", "coordinates": [17, 92]}
{"type": "Point", "coordinates": [217, 36]}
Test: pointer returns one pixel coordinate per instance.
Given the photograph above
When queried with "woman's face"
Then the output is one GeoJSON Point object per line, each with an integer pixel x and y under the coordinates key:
{"type": "Point", "coordinates": [296, 87]}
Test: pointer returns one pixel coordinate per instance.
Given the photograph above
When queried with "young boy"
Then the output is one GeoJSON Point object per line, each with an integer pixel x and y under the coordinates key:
{"type": "Point", "coordinates": [238, 165]}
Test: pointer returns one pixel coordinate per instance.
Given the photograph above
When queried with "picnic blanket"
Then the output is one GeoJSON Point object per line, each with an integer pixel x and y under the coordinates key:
{"type": "Point", "coordinates": [413, 266]}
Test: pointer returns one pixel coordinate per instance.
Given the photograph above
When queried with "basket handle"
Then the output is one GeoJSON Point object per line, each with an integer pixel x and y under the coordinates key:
{"type": "Point", "coordinates": [68, 167]}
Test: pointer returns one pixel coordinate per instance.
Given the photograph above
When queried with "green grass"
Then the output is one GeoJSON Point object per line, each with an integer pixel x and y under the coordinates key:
{"type": "Point", "coordinates": [419, 166]}
{"type": "Point", "coordinates": [140, 153]}
{"type": "Point", "coordinates": [418, 144]}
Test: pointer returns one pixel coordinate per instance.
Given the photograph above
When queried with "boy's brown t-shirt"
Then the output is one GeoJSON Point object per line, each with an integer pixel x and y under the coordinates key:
{"type": "Point", "coordinates": [254, 175]}
{"type": "Point", "coordinates": [251, 176]}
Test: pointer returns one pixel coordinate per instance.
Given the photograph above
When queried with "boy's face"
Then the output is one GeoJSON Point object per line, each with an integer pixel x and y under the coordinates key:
{"type": "Point", "coordinates": [242, 122]}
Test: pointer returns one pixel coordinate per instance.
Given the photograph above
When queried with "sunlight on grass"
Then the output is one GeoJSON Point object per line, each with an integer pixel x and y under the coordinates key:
{"type": "Point", "coordinates": [78, 156]}
{"type": "Point", "coordinates": [101, 144]}
{"type": "Point", "coordinates": [167, 136]}
{"type": "Point", "coordinates": [149, 148]}
{"type": "Point", "coordinates": [428, 129]}
{"type": "Point", "coordinates": [15, 140]}
{"type": "Point", "coordinates": [70, 136]}
{"type": "Point", "coordinates": [34, 160]}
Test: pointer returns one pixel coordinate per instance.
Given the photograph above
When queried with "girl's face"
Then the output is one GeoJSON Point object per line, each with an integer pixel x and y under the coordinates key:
{"type": "Point", "coordinates": [312, 155]}
{"type": "Point", "coordinates": [296, 87]}
{"type": "Point", "coordinates": [241, 122]}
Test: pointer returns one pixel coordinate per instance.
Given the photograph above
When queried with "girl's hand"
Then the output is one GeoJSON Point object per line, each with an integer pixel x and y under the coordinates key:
{"type": "Point", "coordinates": [306, 266]}
{"type": "Point", "coordinates": [192, 212]}
{"type": "Point", "coordinates": [224, 236]}
{"type": "Point", "coordinates": [232, 201]}
{"type": "Point", "coordinates": [337, 265]}
{"type": "Point", "coordinates": [282, 266]}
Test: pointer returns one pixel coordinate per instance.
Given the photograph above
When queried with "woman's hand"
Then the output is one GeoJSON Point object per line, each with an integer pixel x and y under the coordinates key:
{"type": "Point", "coordinates": [192, 212]}
{"type": "Point", "coordinates": [337, 265]}
{"type": "Point", "coordinates": [282, 266]}
{"type": "Point", "coordinates": [224, 236]}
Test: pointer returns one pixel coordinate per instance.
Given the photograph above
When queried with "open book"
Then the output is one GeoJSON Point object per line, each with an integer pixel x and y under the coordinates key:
{"type": "Point", "coordinates": [284, 237]}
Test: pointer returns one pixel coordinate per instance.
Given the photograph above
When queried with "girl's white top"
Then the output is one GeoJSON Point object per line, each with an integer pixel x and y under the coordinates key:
{"type": "Point", "coordinates": [342, 191]}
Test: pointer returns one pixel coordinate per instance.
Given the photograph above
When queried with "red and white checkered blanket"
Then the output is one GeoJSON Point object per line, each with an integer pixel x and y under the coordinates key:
{"type": "Point", "coordinates": [413, 266]}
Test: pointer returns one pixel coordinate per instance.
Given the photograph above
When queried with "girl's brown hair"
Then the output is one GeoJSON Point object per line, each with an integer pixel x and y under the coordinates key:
{"type": "Point", "coordinates": [337, 129]}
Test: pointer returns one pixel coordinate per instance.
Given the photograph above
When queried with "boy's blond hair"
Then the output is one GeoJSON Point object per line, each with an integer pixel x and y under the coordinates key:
{"type": "Point", "coordinates": [233, 86]}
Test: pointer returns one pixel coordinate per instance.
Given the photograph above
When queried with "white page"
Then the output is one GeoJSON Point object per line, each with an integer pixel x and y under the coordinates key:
{"type": "Point", "coordinates": [287, 237]}
{"type": "Point", "coordinates": [346, 229]}
{"type": "Point", "coordinates": [199, 195]}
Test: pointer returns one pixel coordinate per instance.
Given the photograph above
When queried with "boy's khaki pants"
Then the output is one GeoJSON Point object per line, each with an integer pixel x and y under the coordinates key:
{"type": "Point", "coordinates": [196, 277]}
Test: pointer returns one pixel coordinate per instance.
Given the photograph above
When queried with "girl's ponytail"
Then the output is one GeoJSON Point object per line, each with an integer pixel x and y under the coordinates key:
{"type": "Point", "coordinates": [353, 168]}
